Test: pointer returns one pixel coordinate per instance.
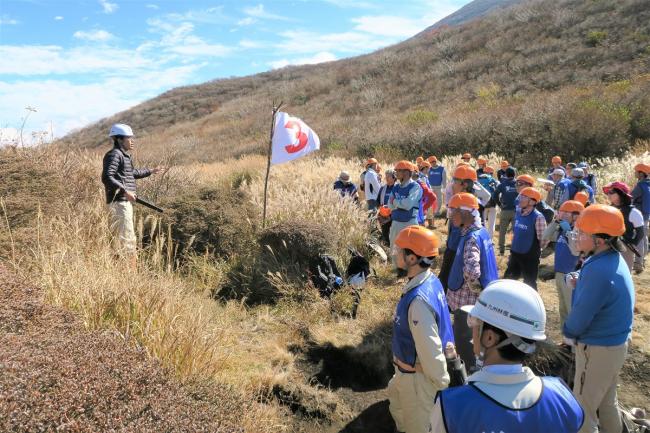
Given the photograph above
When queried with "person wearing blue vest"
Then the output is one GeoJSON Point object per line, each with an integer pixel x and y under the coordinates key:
{"type": "Point", "coordinates": [641, 200]}
{"type": "Point", "coordinates": [566, 259]}
{"type": "Point", "coordinates": [557, 193]}
{"type": "Point", "coordinates": [489, 211]}
{"type": "Point", "coordinates": [438, 182]}
{"type": "Point", "coordinates": [474, 267]}
{"type": "Point", "coordinates": [463, 181]}
{"type": "Point", "coordinates": [421, 333]}
{"type": "Point", "coordinates": [590, 178]}
{"type": "Point", "coordinates": [504, 196]}
{"type": "Point", "coordinates": [507, 320]}
{"type": "Point", "coordinates": [577, 184]}
{"type": "Point", "coordinates": [527, 241]}
{"type": "Point", "coordinates": [404, 200]}
{"type": "Point", "coordinates": [602, 313]}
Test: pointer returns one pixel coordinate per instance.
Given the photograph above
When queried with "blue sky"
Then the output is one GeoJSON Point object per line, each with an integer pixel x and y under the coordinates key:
{"type": "Point", "coordinates": [78, 61]}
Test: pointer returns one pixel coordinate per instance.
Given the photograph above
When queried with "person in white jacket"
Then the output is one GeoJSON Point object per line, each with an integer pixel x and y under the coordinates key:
{"type": "Point", "coordinates": [372, 184]}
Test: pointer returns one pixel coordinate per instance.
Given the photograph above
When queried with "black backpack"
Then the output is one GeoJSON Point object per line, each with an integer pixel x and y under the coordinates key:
{"type": "Point", "coordinates": [325, 276]}
{"type": "Point", "coordinates": [545, 210]}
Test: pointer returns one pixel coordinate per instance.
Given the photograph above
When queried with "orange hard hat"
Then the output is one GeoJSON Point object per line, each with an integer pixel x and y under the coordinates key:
{"type": "Point", "coordinates": [466, 156]}
{"type": "Point", "coordinates": [371, 161]}
{"type": "Point", "coordinates": [421, 241]}
{"type": "Point", "coordinates": [384, 211]}
{"type": "Point", "coordinates": [419, 159]}
{"type": "Point", "coordinates": [465, 172]}
{"type": "Point", "coordinates": [581, 197]}
{"type": "Point", "coordinates": [505, 164]}
{"type": "Point", "coordinates": [432, 159]}
{"type": "Point", "coordinates": [462, 163]}
{"type": "Point", "coordinates": [526, 178]}
{"type": "Point", "coordinates": [643, 168]}
{"type": "Point", "coordinates": [424, 164]}
{"type": "Point", "coordinates": [572, 206]}
{"type": "Point", "coordinates": [404, 165]}
{"type": "Point", "coordinates": [463, 199]}
{"type": "Point", "coordinates": [481, 161]}
{"type": "Point", "coordinates": [601, 218]}
{"type": "Point", "coordinates": [556, 159]}
{"type": "Point", "coordinates": [488, 170]}
{"type": "Point", "coordinates": [531, 193]}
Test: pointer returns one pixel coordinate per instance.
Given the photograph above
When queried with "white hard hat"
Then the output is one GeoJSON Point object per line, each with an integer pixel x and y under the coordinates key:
{"type": "Point", "coordinates": [121, 129]}
{"type": "Point", "coordinates": [513, 307]}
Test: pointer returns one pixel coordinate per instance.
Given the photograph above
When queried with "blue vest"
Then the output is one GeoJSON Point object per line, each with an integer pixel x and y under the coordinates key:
{"type": "Point", "coordinates": [431, 292]}
{"type": "Point", "coordinates": [488, 183]}
{"type": "Point", "coordinates": [524, 234]}
{"type": "Point", "coordinates": [345, 189]}
{"type": "Point", "coordinates": [467, 409]}
{"type": "Point", "coordinates": [400, 192]}
{"type": "Point", "coordinates": [435, 175]}
{"type": "Point", "coordinates": [565, 262]}
{"type": "Point", "coordinates": [489, 269]}
{"type": "Point", "coordinates": [453, 238]}
{"type": "Point", "coordinates": [645, 198]}
{"type": "Point", "coordinates": [509, 193]}
{"type": "Point", "coordinates": [573, 190]}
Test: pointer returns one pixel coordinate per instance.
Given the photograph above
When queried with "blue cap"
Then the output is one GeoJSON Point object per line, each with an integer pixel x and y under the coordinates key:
{"type": "Point", "coordinates": [583, 165]}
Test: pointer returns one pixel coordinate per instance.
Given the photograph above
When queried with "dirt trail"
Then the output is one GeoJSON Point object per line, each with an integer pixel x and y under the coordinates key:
{"type": "Point", "coordinates": [57, 376]}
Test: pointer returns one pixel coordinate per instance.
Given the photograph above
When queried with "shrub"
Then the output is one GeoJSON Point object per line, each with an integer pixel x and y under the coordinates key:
{"type": "Point", "coordinates": [596, 37]}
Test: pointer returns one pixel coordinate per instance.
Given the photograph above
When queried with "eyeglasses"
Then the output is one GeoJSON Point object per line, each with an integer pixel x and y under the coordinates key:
{"type": "Point", "coordinates": [520, 183]}
{"type": "Point", "coordinates": [456, 180]}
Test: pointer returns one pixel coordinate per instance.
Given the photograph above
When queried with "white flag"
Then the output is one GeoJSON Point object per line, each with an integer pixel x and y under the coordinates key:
{"type": "Point", "coordinates": [292, 138]}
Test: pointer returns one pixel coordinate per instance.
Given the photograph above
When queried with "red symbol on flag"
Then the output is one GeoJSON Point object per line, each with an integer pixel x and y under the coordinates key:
{"type": "Point", "coordinates": [301, 136]}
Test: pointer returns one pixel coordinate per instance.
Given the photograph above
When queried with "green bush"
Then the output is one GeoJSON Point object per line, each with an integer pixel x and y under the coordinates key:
{"type": "Point", "coordinates": [596, 37]}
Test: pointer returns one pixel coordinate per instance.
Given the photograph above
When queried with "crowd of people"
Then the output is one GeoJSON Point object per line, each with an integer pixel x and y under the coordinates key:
{"type": "Point", "coordinates": [497, 322]}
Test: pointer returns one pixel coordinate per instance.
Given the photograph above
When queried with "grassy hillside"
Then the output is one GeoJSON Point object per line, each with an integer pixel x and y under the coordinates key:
{"type": "Point", "coordinates": [568, 76]}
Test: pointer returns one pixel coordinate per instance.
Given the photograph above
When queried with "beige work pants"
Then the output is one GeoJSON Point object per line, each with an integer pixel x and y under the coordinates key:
{"type": "Point", "coordinates": [121, 223]}
{"type": "Point", "coordinates": [597, 370]}
{"type": "Point", "coordinates": [410, 397]}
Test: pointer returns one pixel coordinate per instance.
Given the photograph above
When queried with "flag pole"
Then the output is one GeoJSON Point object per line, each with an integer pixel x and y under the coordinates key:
{"type": "Point", "coordinates": [276, 108]}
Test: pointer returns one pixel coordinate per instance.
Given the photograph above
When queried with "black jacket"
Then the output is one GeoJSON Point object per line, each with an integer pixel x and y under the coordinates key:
{"type": "Point", "coordinates": [118, 174]}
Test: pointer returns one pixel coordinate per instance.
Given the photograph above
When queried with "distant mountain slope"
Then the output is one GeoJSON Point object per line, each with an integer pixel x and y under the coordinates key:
{"type": "Point", "coordinates": [471, 11]}
{"type": "Point", "coordinates": [536, 78]}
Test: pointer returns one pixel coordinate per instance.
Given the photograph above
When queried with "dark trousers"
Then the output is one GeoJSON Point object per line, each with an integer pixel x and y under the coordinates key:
{"type": "Point", "coordinates": [445, 267]}
{"type": "Point", "coordinates": [462, 336]}
{"type": "Point", "coordinates": [385, 232]}
{"type": "Point", "coordinates": [524, 265]}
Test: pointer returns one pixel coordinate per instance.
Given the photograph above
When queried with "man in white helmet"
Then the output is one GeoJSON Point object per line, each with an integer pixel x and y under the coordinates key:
{"type": "Point", "coordinates": [118, 177]}
{"type": "Point", "coordinates": [504, 396]}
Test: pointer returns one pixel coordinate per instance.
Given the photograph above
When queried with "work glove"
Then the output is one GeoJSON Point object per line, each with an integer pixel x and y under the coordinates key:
{"type": "Point", "coordinates": [565, 226]}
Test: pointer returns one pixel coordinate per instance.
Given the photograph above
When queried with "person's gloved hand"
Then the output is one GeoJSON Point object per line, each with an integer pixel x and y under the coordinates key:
{"type": "Point", "coordinates": [565, 226]}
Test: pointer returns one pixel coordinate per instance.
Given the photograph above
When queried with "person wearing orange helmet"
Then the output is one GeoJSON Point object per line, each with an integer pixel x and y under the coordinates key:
{"type": "Point", "coordinates": [371, 184]}
{"type": "Point", "coordinates": [619, 196]}
{"type": "Point", "coordinates": [438, 182]}
{"type": "Point", "coordinates": [502, 170]}
{"type": "Point", "coordinates": [422, 332]}
{"type": "Point", "coordinates": [482, 163]}
{"type": "Point", "coordinates": [641, 200]}
{"type": "Point", "coordinates": [566, 259]}
{"type": "Point", "coordinates": [599, 324]}
{"type": "Point", "coordinates": [473, 268]}
{"type": "Point", "coordinates": [556, 164]}
{"type": "Point", "coordinates": [464, 179]}
{"type": "Point", "coordinates": [404, 201]}
{"type": "Point", "coordinates": [489, 209]}
{"type": "Point", "coordinates": [527, 240]}
{"type": "Point", "coordinates": [428, 196]}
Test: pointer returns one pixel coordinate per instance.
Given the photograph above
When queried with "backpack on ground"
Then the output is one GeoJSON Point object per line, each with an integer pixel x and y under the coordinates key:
{"type": "Point", "coordinates": [326, 276]}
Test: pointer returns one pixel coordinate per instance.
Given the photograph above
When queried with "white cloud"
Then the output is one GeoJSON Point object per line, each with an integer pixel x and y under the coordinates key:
{"type": "Point", "coordinates": [153, 6]}
{"type": "Point", "coordinates": [351, 4]}
{"type": "Point", "coordinates": [259, 12]}
{"type": "Point", "coordinates": [316, 58]}
{"type": "Point", "coordinates": [213, 15]}
{"type": "Point", "coordinates": [7, 21]}
{"type": "Point", "coordinates": [108, 7]}
{"type": "Point", "coordinates": [58, 18]}
{"type": "Point", "coordinates": [300, 41]}
{"type": "Point", "coordinates": [246, 43]}
{"type": "Point", "coordinates": [180, 39]}
{"type": "Point", "coordinates": [246, 21]}
{"type": "Point", "coordinates": [51, 59]}
{"type": "Point", "coordinates": [93, 35]}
